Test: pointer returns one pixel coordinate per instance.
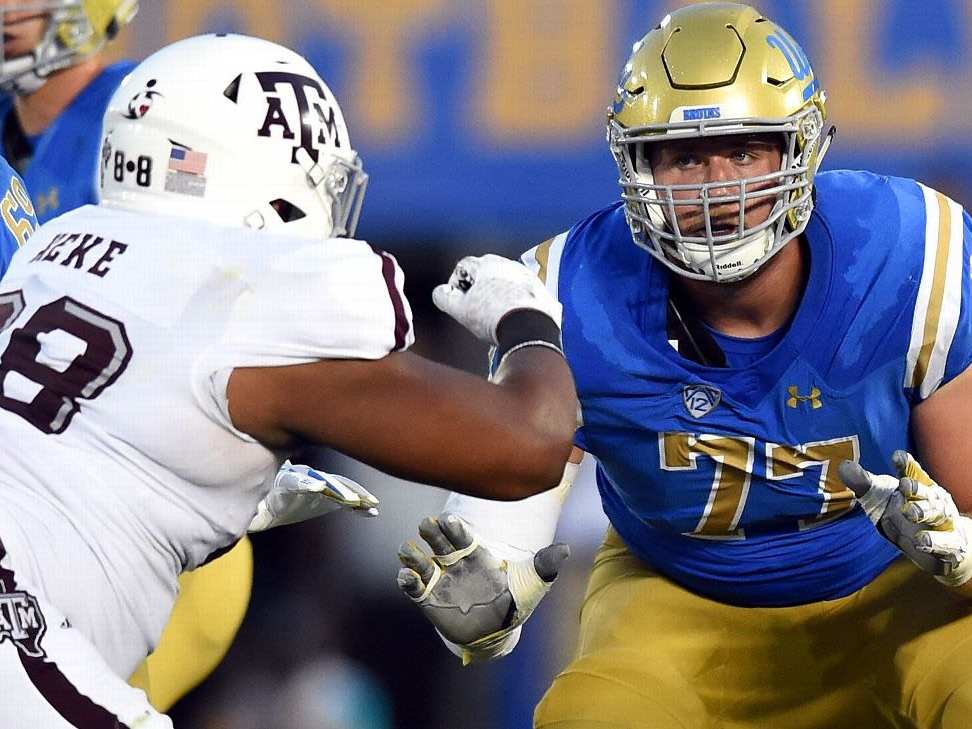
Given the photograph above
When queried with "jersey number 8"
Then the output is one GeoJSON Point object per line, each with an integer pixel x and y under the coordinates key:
{"type": "Point", "coordinates": [58, 385]}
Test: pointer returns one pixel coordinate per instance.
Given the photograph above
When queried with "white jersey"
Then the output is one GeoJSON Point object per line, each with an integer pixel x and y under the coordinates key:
{"type": "Point", "coordinates": [120, 465]}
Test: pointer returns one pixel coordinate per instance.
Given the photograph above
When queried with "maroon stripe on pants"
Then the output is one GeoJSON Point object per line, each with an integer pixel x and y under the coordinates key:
{"type": "Point", "coordinates": [74, 707]}
{"type": "Point", "coordinates": [388, 273]}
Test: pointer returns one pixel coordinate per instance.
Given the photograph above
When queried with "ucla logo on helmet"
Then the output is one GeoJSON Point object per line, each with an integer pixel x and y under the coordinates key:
{"type": "Point", "coordinates": [700, 400]}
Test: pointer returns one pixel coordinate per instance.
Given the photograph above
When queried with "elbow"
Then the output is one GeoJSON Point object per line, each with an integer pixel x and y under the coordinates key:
{"type": "Point", "coordinates": [544, 468]}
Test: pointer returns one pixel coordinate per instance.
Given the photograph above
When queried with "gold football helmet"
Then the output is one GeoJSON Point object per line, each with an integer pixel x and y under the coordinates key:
{"type": "Point", "coordinates": [75, 29]}
{"type": "Point", "coordinates": [716, 69]}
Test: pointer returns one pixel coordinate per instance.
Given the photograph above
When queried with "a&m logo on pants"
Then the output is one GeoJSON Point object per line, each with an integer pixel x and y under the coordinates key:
{"type": "Point", "coordinates": [700, 399]}
{"type": "Point", "coordinates": [21, 621]}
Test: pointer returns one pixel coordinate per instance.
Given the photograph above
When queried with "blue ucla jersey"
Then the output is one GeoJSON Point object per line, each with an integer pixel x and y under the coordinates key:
{"type": "Point", "coordinates": [725, 479]}
{"type": "Point", "coordinates": [63, 173]}
{"type": "Point", "coordinates": [17, 211]}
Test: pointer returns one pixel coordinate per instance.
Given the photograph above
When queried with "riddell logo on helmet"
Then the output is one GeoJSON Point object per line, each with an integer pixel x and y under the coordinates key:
{"type": "Point", "coordinates": [309, 109]}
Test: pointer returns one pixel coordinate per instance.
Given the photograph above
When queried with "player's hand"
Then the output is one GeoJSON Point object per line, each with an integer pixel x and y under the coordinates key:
{"type": "Point", "coordinates": [484, 289]}
{"type": "Point", "coordinates": [473, 598]}
{"type": "Point", "coordinates": [917, 515]}
{"type": "Point", "coordinates": [300, 493]}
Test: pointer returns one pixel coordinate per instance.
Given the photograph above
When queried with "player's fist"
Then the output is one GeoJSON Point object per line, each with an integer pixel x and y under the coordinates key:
{"type": "Point", "coordinates": [484, 289]}
{"type": "Point", "coordinates": [300, 493]}
{"type": "Point", "coordinates": [473, 598]}
{"type": "Point", "coordinates": [916, 514]}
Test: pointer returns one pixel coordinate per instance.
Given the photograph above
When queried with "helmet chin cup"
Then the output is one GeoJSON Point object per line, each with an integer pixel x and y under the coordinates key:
{"type": "Point", "coordinates": [732, 265]}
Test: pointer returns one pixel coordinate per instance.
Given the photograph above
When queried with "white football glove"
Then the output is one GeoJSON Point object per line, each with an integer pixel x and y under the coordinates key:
{"type": "Point", "coordinates": [917, 515]}
{"type": "Point", "coordinates": [475, 600]}
{"type": "Point", "coordinates": [484, 289]}
{"type": "Point", "coordinates": [300, 493]}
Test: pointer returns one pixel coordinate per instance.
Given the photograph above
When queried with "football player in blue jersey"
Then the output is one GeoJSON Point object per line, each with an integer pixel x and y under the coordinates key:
{"type": "Point", "coordinates": [772, 333]}
{"type": "Point", "coordinates": [17, 211]}
{"type": "Point", "coordinates": [56, 88]}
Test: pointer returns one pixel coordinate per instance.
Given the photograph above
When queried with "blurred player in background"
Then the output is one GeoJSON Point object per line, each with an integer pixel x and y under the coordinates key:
{"type": "Point", "coordinates": [788, 330]}
{"type": "Point", "coordinates": [56, 88]}
{"type": "Point", "coordinates": [164, 349]}
{"type": "Point", "coordinates": [17, 211]}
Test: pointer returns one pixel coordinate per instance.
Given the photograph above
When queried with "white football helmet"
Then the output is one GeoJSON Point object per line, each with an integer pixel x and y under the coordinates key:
{"type": "Point", "coordinates": [234, 130]}
{"type": "Point", "coordinates": [75, 29]}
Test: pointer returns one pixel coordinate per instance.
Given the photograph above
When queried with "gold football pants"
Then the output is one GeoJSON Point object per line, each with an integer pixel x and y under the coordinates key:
{"type": "Point", "coordinates": [209, 610]}
{"type": "Point", "coordinates": [652, 655]}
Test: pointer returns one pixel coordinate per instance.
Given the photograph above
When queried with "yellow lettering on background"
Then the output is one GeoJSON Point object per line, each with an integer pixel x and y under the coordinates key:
{"type": "Point", "coordinates": [544, 71]}
{"type": "Point", "coordinates": [865, 99]}
{"type": "Point", "coordinates": [257, 17]}
{"type": "Point", "coordinates": [383, 86]}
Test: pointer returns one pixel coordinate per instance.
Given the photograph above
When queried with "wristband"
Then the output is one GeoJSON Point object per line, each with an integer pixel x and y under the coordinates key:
{"type": "Point", "coordinates": [525, 325]}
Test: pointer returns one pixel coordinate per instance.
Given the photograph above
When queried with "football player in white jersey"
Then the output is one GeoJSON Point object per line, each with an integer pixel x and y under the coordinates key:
{"type": "Point", "coordinates": [161, 353]}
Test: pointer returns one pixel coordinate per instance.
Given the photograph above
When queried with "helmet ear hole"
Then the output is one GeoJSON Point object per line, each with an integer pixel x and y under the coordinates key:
{"type": "Point", "coordinates": [287, 211]}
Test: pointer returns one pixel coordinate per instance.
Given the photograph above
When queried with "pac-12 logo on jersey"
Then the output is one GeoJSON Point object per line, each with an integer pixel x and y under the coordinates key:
{"type": "Point", "coordinates": [312, 112]}
{"type": "Point", "coordinates": [700, 399]}
{"type": "Point", "coordinates": [21, 621]}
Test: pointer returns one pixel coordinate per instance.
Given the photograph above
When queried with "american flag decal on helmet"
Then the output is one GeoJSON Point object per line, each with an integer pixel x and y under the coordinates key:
{"type": "Point", "coordinates": [186, 174]}
{"type": "Point", "coordinates": [187, 160]}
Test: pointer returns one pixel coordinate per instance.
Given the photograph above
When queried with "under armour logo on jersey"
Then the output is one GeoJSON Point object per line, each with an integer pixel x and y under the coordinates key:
{"type": "Point", "coordinates": [142, 101]}
{"type": "Point", "coordinates": [50, 201]}
{"type": "Point", "coordinates": [309, 110]}
{"type": "Point", "coordinates": [795, 398]}
{"type": "Point", "coordinates": [700, 399]}
{"type": "Point", "coordinates": [21, 621]}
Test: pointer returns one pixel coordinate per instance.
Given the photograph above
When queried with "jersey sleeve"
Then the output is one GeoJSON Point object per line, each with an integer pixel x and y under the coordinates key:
{"type": "Point", "coordinates": [940, 347]}
{"type": "Point", "coordinates": [17, 211]}
{"type": "Point", "coordinates": [345, 302]}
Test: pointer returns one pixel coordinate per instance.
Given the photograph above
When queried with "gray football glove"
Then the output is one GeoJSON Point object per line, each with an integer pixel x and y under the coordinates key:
{"type": "Point", "coordinates": [475, 600]}
{"type": "Point", "coordinates": [917, 515]}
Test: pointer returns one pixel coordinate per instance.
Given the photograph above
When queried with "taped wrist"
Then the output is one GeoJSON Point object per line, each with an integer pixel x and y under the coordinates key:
{"type": "Point", "coordinates": [526, 327]}
{"type": "Point", "coordinates": [486, 648]}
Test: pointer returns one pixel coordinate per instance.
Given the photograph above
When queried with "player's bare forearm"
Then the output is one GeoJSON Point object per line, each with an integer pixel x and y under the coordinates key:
{"type": "Point", "coordinates": [421, 420]}
{"type": "Point", "coordinates": [941, 427]}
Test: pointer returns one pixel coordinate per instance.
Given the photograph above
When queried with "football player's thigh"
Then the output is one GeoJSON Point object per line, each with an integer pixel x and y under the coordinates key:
{"type": "Point", "coordinates": [211, 605]}
{"type": "Point", "coordinates": [51, 676]}
{"type": "Point", "coordinates": [930, 629]}
{"type": "Point", "coordinates": [621, 676]}
{"type": "Point", "coordinates": [651, 654]}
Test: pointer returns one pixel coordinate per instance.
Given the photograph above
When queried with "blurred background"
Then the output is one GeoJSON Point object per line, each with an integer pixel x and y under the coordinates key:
{"type": "Point", "coordinates": [481, 123]}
